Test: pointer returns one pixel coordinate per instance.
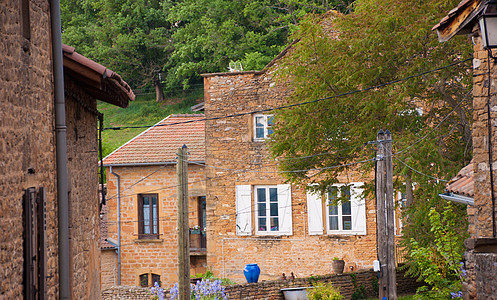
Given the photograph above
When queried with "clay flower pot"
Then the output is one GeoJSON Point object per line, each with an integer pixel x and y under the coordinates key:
{"type": "Point", "coordinates": [337, 265]}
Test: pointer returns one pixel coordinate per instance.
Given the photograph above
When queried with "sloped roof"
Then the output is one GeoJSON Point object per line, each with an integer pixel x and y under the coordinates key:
{"type": "Point", "coordinates": [159, 144]}
{"type": "Point", "coordinates": [463, 183]}
{"type": "Point", "coordinates": [459, 20]}
{"type": "Point", "coordinates": [97, 80]}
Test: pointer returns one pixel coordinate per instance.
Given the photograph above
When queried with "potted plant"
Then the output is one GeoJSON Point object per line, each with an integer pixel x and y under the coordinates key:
{"type": "Point", "coordinates": [337, 265]}
{"type": "Point", "coordinates": [196, 230]}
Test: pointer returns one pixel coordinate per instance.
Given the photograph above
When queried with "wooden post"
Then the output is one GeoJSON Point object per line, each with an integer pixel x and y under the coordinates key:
{"type": "Point", "coordinates": [381, 235]}
{"type": "Point", "coordinates": [183, 228]}
{"type": "Point", "coordinates": [392, 284]}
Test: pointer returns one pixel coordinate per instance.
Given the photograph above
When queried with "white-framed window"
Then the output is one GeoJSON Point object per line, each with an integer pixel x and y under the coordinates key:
{"type": "Point", "coordinates": [270, 208]}
{"type": "Point", "coordinates": [344, 217]}
{"type": "Point", "coordinates": [263, 126]}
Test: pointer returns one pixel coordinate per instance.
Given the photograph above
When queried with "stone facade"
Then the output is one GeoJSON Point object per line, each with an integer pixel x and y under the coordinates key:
{"type": "Point", "coordinates": [146, 256]}
{"type": "Point", "coordinates": [109, 269]}
{"type": "Point", "coordinates": [28, 151]}
{"type": "Point", "coordinates": [82, 164]}
{"type": "Point", "coordinates": [27, 141]}
{"type": "Point", "coordinates": [236, 158]}
{"type": "Point", "coordinates": [481, 248]}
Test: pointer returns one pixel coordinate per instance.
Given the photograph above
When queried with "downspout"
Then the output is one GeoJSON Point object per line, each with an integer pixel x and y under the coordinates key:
{"type": "Point", "coordinates": [61, 151]}
{"type": "Point", "coordinates": [118, 225]}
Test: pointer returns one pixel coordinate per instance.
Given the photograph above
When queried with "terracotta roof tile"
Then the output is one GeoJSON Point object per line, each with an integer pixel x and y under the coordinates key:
{"type": "Point", "coordinates": [160, 143]}
{"type": "Point", "coordinates": [463, 183]}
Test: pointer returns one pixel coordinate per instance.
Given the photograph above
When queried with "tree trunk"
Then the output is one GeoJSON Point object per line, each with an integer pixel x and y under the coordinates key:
{"type": "Point", "coordinates": [159, 93]}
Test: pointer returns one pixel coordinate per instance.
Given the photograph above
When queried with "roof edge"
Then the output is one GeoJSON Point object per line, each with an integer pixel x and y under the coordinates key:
{"type": "Point", "coordinates": [152, 163]}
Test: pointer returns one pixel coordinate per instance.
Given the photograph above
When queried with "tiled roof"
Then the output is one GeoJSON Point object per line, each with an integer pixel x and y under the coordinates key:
{"type": "Point", "coordinates": [160, 143]}
{"type": "Point", "coordinates": [463, 183]}
{"type": "Point", "coordinates": [96, 79]}
{"type": "Point", "coordinates": [104, 245]}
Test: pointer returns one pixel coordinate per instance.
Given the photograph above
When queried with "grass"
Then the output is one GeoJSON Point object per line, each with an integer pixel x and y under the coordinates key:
{"type": "Point", "coordinates": [144, 111]}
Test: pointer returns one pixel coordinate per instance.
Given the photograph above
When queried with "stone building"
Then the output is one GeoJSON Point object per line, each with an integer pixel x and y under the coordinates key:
{"type": "Point", "coordinates": [29, 245]}
{"type": "Point", "coordinates": [141, 183]}
{"type": "Point", "coordinates": [253, 216]}
{"type": "Point", "coordinates": [475, 183]}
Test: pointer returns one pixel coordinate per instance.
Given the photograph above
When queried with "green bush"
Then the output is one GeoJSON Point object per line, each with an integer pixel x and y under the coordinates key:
{"type": "Point", "coordinates": [324, 292]}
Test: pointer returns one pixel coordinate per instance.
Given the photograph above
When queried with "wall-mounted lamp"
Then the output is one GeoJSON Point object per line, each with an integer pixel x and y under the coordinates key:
{"type": "Point", "coordinates": [488, 25]}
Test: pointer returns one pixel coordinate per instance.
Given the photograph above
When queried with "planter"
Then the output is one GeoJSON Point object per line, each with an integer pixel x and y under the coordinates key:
{"type": "Point", "coordinates": [337, 266]}
{"type": "Point", "coordinates": [252, 272]}
{"type": "Point", "coordinates": [298, 293]}
{"type": "Point", "coordinates": [196, 231]}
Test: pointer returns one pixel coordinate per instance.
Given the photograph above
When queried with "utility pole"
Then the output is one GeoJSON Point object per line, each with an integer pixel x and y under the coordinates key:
{"type": "Point", "coordinates": [384, 216]}
{"type": "Point", "coordinates": [183, 228]}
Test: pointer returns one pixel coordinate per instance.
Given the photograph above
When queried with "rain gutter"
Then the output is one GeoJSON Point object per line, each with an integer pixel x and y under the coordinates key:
{"type": "Point", "coordinates": [118, 225]}
{"type": "Point", "coordinates": [458, 198]}
{"type": "Point", "coordinates": [61, 151]}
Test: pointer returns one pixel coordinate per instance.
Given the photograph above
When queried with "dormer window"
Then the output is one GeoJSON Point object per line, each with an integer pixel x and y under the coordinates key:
{"type": "Point", "coordinates": [263, 126]}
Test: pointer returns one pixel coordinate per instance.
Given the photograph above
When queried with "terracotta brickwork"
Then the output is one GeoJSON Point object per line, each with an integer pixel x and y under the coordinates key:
{"type": "Point", "coordinates": [26, 139]}
{"type": "Point", "coordinates": [236, 158]}
{"type": "Point", "coordinates": [480, 258]}
{"type": "Point", "coordinates": [157, 256]}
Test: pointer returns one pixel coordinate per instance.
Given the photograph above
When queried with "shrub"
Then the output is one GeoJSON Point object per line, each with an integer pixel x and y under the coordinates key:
{"type": "Point", "coordinates": [324, 292]}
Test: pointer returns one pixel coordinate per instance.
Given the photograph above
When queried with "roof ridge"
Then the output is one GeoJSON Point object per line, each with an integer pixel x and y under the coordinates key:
{"type": "Point", "coordinates": [186, 115]}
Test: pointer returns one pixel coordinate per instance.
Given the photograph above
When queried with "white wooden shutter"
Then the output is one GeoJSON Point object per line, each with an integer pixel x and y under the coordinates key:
{"type": "Point", "coordinates": [358, 208]}
{"type": "Point", "coordinates": [314, 213]}
{"type": "Point", "coordinates": [285, 208]}
{"type": "Point", "coordinates": [243, 209]}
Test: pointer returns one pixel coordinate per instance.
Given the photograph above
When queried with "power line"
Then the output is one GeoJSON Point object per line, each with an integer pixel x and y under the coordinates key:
{"type": "Point", "coordinates": [296, 104]}
{"type": "Point", "coordinates": [419, 172]}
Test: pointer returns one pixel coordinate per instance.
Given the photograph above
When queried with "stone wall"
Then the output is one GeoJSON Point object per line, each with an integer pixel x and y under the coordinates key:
{"type": "Point", "coordinates": [158, 256]}
{"type": "Point", "coordinates": [230, 147]}
{"type": "Point", "coordinates": [272, 289]}
{"type": "Point", "coordinates": [481, 247]}
{"type": "Point", "coordinates": [109, 268]}
{"type": "Point", "coordinates": [27, 142]}
{"type": "Point", "coordinates": [82, 164]}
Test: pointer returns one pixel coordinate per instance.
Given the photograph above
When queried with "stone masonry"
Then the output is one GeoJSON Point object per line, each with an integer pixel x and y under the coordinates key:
{"type": "Point", "coordinates": [481, 248]}
{"type": "Point", "coordinates": [230, 147]}
{"type": "Point", "coordinates": [27, 142]}
{"type": "Point", "coordinates": [158, 256]}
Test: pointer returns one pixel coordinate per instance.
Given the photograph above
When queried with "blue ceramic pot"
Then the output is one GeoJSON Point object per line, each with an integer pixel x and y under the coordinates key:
{"type": "Point", "coordinates": [252, 272]}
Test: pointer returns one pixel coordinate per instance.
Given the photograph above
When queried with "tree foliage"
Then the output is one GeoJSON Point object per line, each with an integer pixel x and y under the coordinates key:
{"type": "Point", "coordinates": [380, 42]}
{"type": "Point", "coordinates": [182, 39]}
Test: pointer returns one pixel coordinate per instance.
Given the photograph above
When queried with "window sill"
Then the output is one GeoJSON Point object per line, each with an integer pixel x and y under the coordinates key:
{"type": "Point", "coordinates": [148, 240]}
{"type": "Point", "coordinates": [342, 233]}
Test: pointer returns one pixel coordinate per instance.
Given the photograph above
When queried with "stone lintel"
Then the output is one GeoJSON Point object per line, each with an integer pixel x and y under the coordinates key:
{"type": "Point", "coordinates": [482, 245]}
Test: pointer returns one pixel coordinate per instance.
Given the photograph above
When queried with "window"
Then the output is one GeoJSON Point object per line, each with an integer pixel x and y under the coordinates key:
{"type": "Point", "coordinates": [346, 217]}
{"type": "Point", "coordinates": [272, 209]}
{"type": "Point", "coordinates": [263, 126]}
{"type": "Point", "coordinates": [149, 279]}
{"type": "Point", "coordinates": [148, 216]}
{"type": "Point", "coordinates": [267, 209]}
{"type": "Point", "coordinates": [34, 248]}
{"type": "Point", "coordinates": [339, 215]}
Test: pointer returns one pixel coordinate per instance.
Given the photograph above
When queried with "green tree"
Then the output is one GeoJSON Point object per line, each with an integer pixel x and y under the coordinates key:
{"type": "Point", "coordinates": [381, 41]}
{"type": "Point", "coordinates": [131, 37]}
{"type": "Point", "coordinates": [209, 34]}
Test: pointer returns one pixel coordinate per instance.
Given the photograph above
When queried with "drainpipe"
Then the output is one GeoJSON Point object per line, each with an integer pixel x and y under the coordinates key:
{"type": "Point", "coordinates": [118, 225]}
{"type": "Point", "coordinates": [61, 151]}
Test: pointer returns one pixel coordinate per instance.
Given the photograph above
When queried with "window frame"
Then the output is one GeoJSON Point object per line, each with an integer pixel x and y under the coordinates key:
{"type": "Point", "coordinates": [268, 216]}
{"type": "Point", "coordinates": [266, 126]}
{"type": "Point", "coordinates": [355, 211]}
{"type": "Point", "coordinates": [153, 220]}
{"type": "Point", "coordinates": [150, 279]}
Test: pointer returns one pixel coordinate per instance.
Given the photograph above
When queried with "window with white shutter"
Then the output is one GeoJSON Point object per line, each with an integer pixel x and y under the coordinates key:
{"type": "Point", "coordinates": [243, 209]}
{"type": "Point", "coordinates": [315, 212]}
{"type": "Point", "coordinates": [348, 214]}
